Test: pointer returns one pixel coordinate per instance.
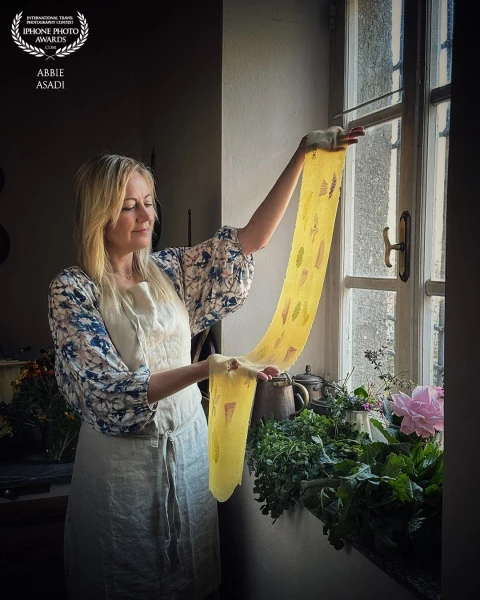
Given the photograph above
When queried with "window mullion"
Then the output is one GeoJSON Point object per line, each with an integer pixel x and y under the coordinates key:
{"type": "Point", "coordinates": [334, 290]}
{"type": "Point", "coordinates": [434, 176]}
{"type": "Point", "coordinates": [410, 322]}
{"type": "Point", "coordinates": [372, 283]}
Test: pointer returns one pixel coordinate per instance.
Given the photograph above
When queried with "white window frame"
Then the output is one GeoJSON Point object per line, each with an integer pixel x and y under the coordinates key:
{"type": "Point", "coordinates": [416, 195]}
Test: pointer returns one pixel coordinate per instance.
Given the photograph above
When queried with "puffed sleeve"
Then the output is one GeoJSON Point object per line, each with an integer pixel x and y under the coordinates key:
{"type": "Point", "coordinates": [212, 278]}
{"type": "Point", "coordinates": [89, 371]}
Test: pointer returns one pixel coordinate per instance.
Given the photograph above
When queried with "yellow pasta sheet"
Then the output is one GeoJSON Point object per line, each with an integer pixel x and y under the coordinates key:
{"type": "Point", "coordinates": [232, 391]}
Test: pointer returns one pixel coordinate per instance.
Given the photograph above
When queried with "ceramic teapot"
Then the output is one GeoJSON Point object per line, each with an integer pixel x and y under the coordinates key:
{"type": "Point", "coordinates": [277, 399]}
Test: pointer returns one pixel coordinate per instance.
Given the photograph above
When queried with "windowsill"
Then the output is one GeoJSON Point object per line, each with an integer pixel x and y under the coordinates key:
{"type": "Point", "coordinates": [420, 583]}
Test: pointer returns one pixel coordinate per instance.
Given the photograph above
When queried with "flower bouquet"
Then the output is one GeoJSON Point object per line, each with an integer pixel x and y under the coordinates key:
{"type": "Point", "coordinates": [419, 415]}
{"type": "Point", "coordinates": [38, 402]}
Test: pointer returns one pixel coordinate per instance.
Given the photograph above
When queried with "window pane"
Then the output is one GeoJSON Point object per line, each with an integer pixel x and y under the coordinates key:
{"type": "Point", "coordinates": [440, 198]}
{"type": "Point", "coordinates": [372, 325]}
{"type": "Point", "coordinates": [442, 35]}
{"type": "Point", "coordinates": [375, 200]}
{"type": "Point", "coordinates": [437, 341]}
{"type": "Point", "coordinates": [375, 53]}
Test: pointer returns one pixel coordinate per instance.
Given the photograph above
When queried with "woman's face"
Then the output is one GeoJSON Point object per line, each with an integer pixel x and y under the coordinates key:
{"type": "Point", "coordinates": [133, 230]}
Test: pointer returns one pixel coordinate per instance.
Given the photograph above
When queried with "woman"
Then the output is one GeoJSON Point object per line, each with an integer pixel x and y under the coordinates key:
{"type": "Point", "coordinates": [141, 522]}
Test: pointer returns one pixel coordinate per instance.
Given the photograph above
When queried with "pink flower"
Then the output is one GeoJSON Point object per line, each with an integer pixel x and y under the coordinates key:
{"type": "Point", "coordinates": [422, 413]}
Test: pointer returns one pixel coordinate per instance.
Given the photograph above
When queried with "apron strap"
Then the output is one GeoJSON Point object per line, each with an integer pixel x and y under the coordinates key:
{"type": "Point", "coordinates": [168, 443]}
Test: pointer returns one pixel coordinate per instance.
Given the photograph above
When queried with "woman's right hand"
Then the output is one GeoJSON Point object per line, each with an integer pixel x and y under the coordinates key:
{"type": "Point", "coordinates": [268, 373]}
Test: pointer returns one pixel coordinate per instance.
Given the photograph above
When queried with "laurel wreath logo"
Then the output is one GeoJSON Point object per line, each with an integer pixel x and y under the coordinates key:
{"type": "Point", "coordinates": [65, 51]}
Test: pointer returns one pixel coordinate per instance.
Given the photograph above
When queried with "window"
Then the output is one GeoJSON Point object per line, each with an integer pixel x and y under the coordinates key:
{"type": "Point", "coordinates": [392, 75]}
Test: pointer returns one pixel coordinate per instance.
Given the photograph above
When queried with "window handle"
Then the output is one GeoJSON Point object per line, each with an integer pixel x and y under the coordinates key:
{"type": "Point", "coordinates": [403, 246]}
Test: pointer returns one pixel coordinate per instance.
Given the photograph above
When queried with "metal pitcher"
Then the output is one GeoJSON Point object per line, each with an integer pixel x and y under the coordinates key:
{"type": "Point", "coordinates": [276, 399]}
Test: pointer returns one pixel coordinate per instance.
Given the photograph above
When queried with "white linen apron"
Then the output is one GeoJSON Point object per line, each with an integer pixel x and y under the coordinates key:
{"type": "Point", "coordinates": [141, 522]}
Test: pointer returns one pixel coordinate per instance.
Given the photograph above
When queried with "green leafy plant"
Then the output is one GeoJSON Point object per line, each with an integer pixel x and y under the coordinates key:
{"type": "Point", "coordinates": [387, 495]}
{"type": "Point", "coordinates": [340, 399]}
{"type": "Point", "coordinates": [285, 453]}
{"type": "Point", "coordinates": [390, 499]}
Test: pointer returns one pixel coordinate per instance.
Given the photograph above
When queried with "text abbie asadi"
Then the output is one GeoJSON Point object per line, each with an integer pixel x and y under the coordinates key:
{"type": "Point", "coordinates": [51, 85]}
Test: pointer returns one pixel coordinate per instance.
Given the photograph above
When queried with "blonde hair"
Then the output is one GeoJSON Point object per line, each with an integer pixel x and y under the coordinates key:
{"type": "Point", "coordinates": [98, 194]}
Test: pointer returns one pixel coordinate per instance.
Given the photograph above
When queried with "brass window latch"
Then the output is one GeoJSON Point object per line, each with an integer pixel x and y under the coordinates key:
{"type": "Point", "coordinates": [403, 247]}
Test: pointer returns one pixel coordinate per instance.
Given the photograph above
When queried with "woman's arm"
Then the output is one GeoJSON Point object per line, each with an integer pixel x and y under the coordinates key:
{"type": "Point", "coordinates": [90, 372]}
{"type": "Point", "coordinates": [169, 382]}
{"type": "Point", "coordinates": [166, 383]}
{"type": "Point", "coordinates": [265, 220]}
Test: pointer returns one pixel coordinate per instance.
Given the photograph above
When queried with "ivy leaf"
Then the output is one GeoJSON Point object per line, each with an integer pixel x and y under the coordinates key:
{"type": "Point", "coordinates": [370, 452]}
{"type": "Point", "coordinates": [405, 489]}
{"type": "Point", "coordinates": [432, 464]}
{"type": "Point", "coordinates": [361, 391]}
{"type": "Point", "coordinates": [394, 465]}
{"type": "Point", "coordinates": [402, 448]}
{"type": "Point", "coordinates": [387, 410]}
{"type": "Point", "coordinates": [432, 489]}
{"type": "Point", "coordinates": [311, 491]}
{"type": "Point", "coordinates": [415, 524]}
{"type": "Point", "coordinates": [345, 467]}
{"type": "Point", "coordinates": [409, 467]}
{"type": "Point", "coordinates": [402, 487]}
{"type": "Point", "coordinates": [430, 454]}
{"type": "Point", "coordinates": [386, 433]}
{"type": "Point", "coordinates": [364, 472]}
{"type": "Point", "coordinates": [417, 455]}
{"type": "Point", "coordinates": [346, 488]}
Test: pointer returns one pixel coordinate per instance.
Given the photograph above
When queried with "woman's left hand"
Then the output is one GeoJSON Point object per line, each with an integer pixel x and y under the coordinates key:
{"type": "Point", "coordinates": [264, 375]}
{"type": "Point", "coordinates": [332, 139]}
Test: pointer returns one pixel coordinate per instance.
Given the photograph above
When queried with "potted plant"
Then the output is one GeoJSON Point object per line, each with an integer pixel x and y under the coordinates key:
{"type": "Point", "coordinates": [386, 495]}
{"type": "Point", "coordinates": [366, 401]}
{"type": "Point", "coordinates": [351, 406]}
{"type": "Point", "coordinates": [38, 404]}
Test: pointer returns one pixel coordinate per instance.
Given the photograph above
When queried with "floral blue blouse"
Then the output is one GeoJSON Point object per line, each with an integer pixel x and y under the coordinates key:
{"type": "Point", "coordinates": [212, 279]}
